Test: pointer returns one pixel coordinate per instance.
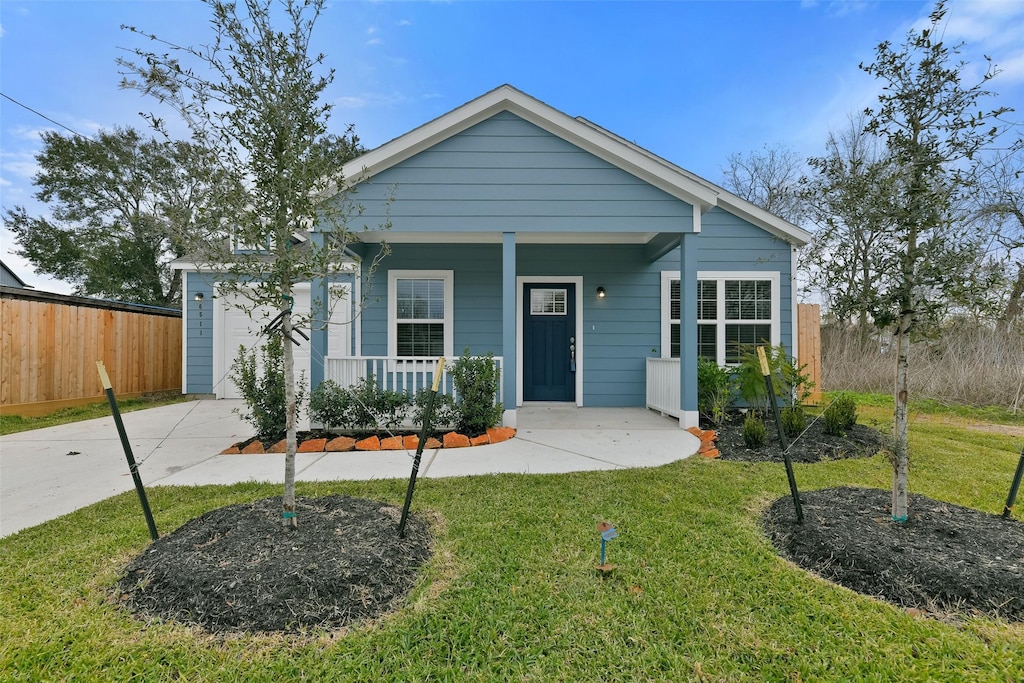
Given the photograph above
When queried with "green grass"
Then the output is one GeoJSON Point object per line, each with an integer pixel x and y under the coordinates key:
{"type": "Point", "coordinates": [11, 424]}
{"type": "Point", "coordinates": [511, 593]}
{"type": "Point", "coordinates": [928, 406]}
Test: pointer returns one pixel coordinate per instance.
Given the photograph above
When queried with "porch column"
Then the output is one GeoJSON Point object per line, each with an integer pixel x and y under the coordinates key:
{"type": "Point", "coordinates": [688, 330]}
{"type": "Point", "coordinates": [318, 326]}
{"type": "Point", "coordinates": [508, 327]}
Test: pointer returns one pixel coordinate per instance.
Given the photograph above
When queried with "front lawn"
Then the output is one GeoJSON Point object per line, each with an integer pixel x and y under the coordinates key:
{"type": "Point", "coordinates": [511, 592]}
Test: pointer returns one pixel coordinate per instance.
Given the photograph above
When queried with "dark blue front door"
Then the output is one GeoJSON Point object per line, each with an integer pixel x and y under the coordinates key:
{"type": "Point", "coordinates": [549, 343]}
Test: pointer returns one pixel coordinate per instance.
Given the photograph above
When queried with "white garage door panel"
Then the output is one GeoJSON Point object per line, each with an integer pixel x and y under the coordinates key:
{"type": "Point", "coordinates": [239, 328]}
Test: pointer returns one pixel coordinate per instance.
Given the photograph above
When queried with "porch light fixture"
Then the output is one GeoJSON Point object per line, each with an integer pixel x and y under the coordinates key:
{"type": "Point", "coordinates": [600, 292]}
{"type": "Point", "coordinates": [198, 297]}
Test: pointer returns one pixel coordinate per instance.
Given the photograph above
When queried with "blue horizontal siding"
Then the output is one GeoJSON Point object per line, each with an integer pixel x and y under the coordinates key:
{"type": "Point", "coordinates": [508, 174]}
{"type": "Point", "coordinates": [199, 335]}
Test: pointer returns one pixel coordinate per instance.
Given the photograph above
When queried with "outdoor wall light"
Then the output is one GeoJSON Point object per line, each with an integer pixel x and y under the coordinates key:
{"type": "Point", "coordinates": [600, 292]}
{"type": "Point", "coordinates": [198, 297]}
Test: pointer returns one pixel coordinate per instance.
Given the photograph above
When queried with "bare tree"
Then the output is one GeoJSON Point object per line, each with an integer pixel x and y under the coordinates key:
{"type": "Point", "coordinates": [770, 179]}
{"type": "Point", "coordinates": [999, 203]}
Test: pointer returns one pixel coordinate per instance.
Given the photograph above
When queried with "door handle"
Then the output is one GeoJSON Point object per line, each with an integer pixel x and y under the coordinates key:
{"type": "Point", "coordinates": [572, 354]}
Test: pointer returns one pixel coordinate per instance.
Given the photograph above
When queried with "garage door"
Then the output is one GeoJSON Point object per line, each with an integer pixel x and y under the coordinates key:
{"type": "Point", "coordinates": [240, 328]}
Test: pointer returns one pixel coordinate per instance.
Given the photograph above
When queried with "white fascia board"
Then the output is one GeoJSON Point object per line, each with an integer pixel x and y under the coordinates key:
{"type": "Point", "coordinates": [521, 237]}
{"type": "Point", "coordinates": [644, 165]}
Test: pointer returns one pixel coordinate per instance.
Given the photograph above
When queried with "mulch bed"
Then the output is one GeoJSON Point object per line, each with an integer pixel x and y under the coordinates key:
{"type": "Point", "coordinates": [814, 445]}
{"type": "Point", "coordinates": [237, 569]}
{"type": "Point", "coordinates": [945, 559]}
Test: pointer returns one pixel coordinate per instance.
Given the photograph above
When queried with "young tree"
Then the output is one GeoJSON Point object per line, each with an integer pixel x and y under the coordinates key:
{"type": "Point", "coordinates": [932, 128]}
{"type": "Point", "coordinates": [253, 97]}
{"type": "Point", "coordinates": [120, 206]}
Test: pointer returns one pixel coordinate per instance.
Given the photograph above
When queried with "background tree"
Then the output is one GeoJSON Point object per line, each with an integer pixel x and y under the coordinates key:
{"type": "Point", "coordinates": [119, 207]}
{"type": "Point", "coordinates": [253, 97]}
{"type": "Point", "coordinates": [932, 128]}
{"type": "Point", "coordinates": [845, 198]}
{"type": "Point", "coordinates": [770, 179]}
{"type": "Point", "coordinates": [999, 203]}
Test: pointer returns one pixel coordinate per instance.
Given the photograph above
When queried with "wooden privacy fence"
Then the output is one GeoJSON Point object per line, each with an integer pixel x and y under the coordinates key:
{"type": "Point", "coordinates": [808, 325]}
{"type": "Point", "coordinates": [51, 342]}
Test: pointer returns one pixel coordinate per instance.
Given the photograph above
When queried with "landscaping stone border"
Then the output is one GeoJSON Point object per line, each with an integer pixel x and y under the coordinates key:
{"type": "Point", "coordinates": [344, 444]}
{"type": "Point", "coordinates": [708, 437]}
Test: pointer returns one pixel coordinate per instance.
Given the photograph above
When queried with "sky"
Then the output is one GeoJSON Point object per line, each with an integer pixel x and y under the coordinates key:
{"type": "Point", "coordinates": [693, 82]}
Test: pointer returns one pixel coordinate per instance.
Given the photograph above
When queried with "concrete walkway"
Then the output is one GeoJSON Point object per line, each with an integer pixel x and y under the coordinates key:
{"type": "Point", "coordinates": [46, 473]}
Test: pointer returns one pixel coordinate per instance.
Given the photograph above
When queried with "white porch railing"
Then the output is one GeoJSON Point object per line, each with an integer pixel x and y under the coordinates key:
{"type": "Point", "coordinates": [663, 386]}
{"type": "Point", "coordinates": [399, 373]}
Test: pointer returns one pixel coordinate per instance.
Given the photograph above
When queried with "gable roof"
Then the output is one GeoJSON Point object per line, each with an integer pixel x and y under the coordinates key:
{"type": "Point", "coordinates": [10, 276]}
{"type": "Point", "coordinates": [666, 176]}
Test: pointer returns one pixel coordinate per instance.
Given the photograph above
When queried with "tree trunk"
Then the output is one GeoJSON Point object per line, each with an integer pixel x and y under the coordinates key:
{"type": "Point", "coordinates": [901, 458]}
{"type": "Point", "coordinates": [288, 516]}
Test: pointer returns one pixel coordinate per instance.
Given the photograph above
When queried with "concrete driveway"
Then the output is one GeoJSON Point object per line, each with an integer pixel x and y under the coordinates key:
{"type": "Point", "coordinates": [46, 473]}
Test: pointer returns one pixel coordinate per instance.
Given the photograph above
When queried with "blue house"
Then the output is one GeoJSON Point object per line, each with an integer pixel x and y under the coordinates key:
{"type": "Point", "coordinates": [595, 271]}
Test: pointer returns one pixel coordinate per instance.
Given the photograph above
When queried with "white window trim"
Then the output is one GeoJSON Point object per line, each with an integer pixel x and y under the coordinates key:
{"type": "Point", "coordinates": [667, 276]}
{"type": "Point", "coordinates": [449, 305]}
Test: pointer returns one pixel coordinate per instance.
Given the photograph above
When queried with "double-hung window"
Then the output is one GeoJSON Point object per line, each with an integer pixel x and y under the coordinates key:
{"type": "Point", "coordinates": [420, 304]}
{"type": "Point", "coordinates": [734, 312]}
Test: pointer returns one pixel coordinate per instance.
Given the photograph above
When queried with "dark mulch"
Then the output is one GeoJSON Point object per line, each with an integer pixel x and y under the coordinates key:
{"type": "Point", "coordinates": [944, 559]}
{"type": "Point", "coordinates": [237, 569]}
{"type": "Point", "coordinates": [814, 445]}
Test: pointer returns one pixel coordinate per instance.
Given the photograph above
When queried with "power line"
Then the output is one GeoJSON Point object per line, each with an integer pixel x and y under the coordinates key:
{"type": "Point", "coordinates": [41, 115]}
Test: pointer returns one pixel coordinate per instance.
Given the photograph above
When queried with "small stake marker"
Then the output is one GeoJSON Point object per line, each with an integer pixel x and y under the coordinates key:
{"type": "Point", "coordinates": [607, 532]}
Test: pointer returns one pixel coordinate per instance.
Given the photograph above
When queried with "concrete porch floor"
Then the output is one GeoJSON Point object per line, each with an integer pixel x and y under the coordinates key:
{"type": "Point", "coordinates": [544, 416]}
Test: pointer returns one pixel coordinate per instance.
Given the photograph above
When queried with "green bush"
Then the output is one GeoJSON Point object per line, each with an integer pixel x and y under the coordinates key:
{"type": "Point", "coordinates": [714, 390]}
{"type": "Point", "coordinates": [755, 434]}
{"type": "Point", "coordinates": [791, 385]}
{"type": "Point", "coordinates": [330, 405]}
{"type": "Point", "coordinates": [444, 416]}
{"type": "Point", "coordinates": [794, 421]}
{"type": "Point", "coordinates": [840, 416]}
{"type": "Point", "coordinates": [476, 381]}
{"type": "Point", "coordinates": [373, 407]}
{"type": "Point", "coordinates": [263, 389]}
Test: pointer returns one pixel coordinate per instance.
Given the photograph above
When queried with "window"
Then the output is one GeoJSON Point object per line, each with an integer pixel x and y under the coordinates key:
{"type": "Point", "coordinates": [734, 310]}
{"type": "Point", "coordinates": [420, 313]}
{"type": "Point", "coordinates": [548, 301]}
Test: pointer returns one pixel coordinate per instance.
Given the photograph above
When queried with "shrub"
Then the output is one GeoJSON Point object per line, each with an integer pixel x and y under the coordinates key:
{"type": "Point", "coordinates": [714, 390]}
{"type": "Point", "coordinates": [330, 405]}
{"type": "Point", "coordinates": [794, 422]}
{"type": "Point", "coordinates": [476, 382]}
{"type": "Point", "coordinates": [791, 385]}
{"type": "Point", "coordinates": [262, 388]}
{"type": "Point", "coordinates": [755, 434]}
{"type": "Point", "coordinates": [444, 410]}
{"type": "Point", "coordinates": [840, 416]}
{"type": "Point", "coordinates": [373, 407]}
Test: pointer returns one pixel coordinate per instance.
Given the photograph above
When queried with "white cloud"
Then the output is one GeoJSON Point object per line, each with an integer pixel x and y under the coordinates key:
{"type": "Point", "coordinates": [371, 100]}
{"type": "Point", "coordinates": [350, 102]}
{"type": "Point", "coordinates": [20, 164]}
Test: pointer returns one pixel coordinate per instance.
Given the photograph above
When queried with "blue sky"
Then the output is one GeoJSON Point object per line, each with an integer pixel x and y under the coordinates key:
{"type": "Point", "coordinates": [690, 81]}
